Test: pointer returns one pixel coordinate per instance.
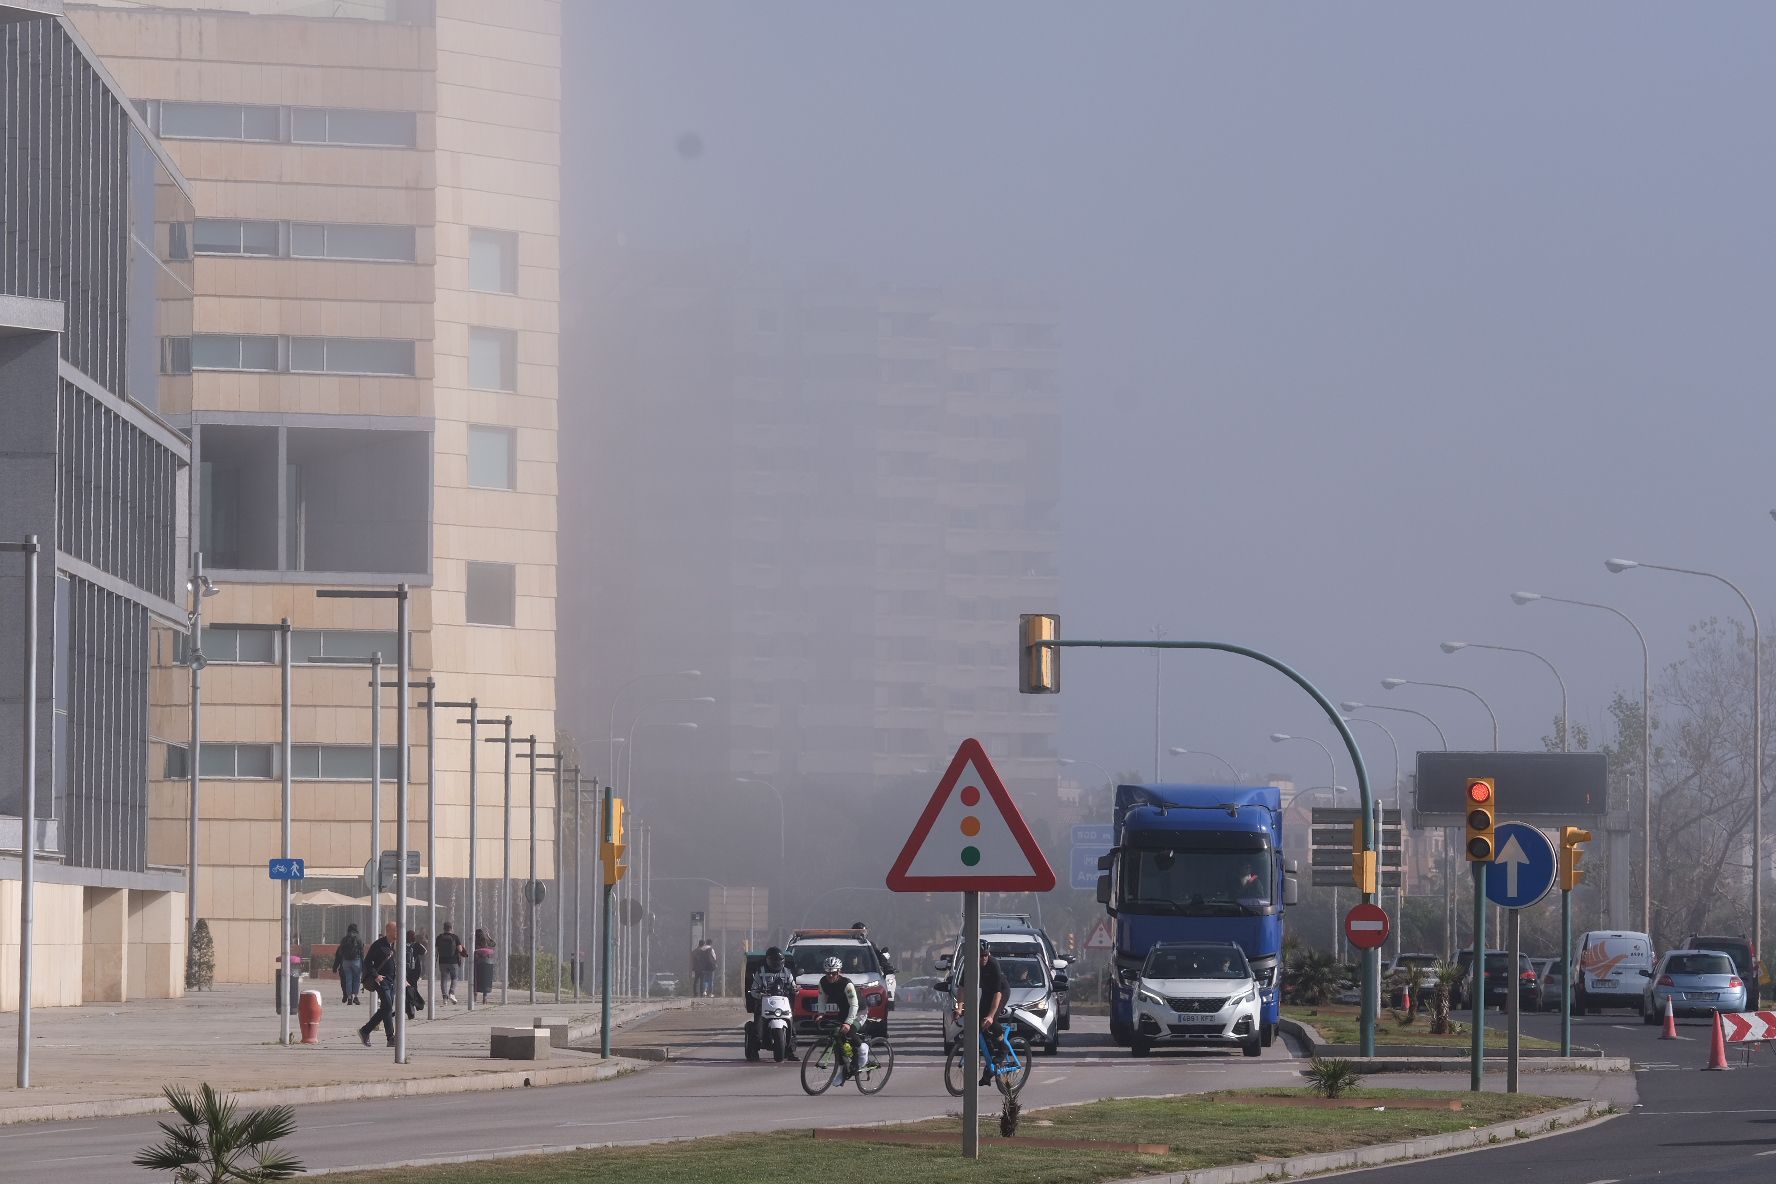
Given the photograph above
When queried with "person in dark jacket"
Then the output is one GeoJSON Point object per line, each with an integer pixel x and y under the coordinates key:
{"type": "Point", "coordinates": [348, 964]}
{"type": "Point", "coordinates": [450, 958]}
{"type": "Point", "coordinates": [382, 974]}
{"type": "Point", "coordinates": [416, 964]}
{"type": "Point", "coordinates": [483, 985]}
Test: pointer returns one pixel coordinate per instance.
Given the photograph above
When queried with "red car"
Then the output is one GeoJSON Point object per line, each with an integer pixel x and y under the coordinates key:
{"type": "Point", "coordinates": [809, 949]}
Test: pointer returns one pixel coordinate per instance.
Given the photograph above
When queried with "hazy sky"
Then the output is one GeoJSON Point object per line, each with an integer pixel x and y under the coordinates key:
{"type": "Point", "coordinates": [1373, 312]}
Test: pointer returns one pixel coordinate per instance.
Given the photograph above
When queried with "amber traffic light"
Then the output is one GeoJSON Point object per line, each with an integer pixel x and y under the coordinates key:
{"type": "Point", "coordinates": [1039, 666]}
{"type": "Point", "coordinates": [1482, 808]}
{"type": "Point", "coordinates": [1570, 854]}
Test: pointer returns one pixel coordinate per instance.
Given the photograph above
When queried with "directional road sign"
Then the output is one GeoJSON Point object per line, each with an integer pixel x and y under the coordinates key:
{"type": "Point", "coordinates": [287, 869]}
{"type": "Point", "coordinates": [1748, 1025]}
{"type": "Point", "coordinates": [971, 837]}
{"type": "Point", "coordinates": [1523, 870]}
{"type": "Point", "coordinates": [1090, 842]}
{"type": "Point", "coordinates": [1367, 926]}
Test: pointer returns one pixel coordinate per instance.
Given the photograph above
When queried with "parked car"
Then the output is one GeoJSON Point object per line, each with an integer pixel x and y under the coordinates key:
{"type": "Point", "coordinates": [1744, 958]}
{"type": "Point", "coordinates": [665, 982]}
{"type": "Point", "coordinates": [1553, 974]}
{"type": "Point", "coordinates": [1697, 982]}
{"type": "Point", "coordinates": [1497, 981]}
{"type": "Point", "coordinates": [1613, 966]}
{"type": "Point", "coordinates": [1197, 993]}
{"type": "Point", "coordinates": [1417, 970]}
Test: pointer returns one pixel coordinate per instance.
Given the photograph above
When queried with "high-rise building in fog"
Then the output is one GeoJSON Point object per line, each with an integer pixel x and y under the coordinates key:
{"type": "Point", "coordinates": [833, 499]}
{"type": "Point", "coordinates": [373, 374]}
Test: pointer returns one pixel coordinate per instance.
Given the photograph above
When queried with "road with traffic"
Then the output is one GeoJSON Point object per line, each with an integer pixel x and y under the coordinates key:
{"type": "Point", "coordinates": [707, 1089]}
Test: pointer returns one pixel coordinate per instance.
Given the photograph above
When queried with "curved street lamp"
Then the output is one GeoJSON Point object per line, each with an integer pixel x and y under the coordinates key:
{"type": "Point", "coordinates": [1450, 647]}
{"type": "Point", "coordinates": [1175, 751]}
{"type": "Point", "coordinates": [1396, 683]}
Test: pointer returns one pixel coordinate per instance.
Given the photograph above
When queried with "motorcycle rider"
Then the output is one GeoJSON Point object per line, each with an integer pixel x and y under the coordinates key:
{"type": "Point", "coordinates": [839, 991]}
{"type": "Point", "coordinates": [773, 978]}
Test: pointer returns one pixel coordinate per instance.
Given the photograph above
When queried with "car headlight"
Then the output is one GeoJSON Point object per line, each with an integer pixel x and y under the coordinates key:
{"type": "Point", "coordinates": [874, 998]}
{"type": "Point", "coordinates": [1040, 1007]}
{"type": "Point", "coordinates": [1147, 995]}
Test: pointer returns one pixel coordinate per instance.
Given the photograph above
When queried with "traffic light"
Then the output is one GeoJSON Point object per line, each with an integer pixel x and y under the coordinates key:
{"type": "Point", "coordinates": [1482, 806]}
{"type": "Point", "coordinates": [611, 852]}
{"type": "Point", "coordinates": [1364, 864]}
{"type": "Point", "coordinates": [1039, 666]}
{"type": "Point", "coordinates": [1570, 838]}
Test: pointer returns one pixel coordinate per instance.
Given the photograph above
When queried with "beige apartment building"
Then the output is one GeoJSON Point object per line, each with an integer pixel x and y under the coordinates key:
{"type": "Point", "coordinates": [374, 379]}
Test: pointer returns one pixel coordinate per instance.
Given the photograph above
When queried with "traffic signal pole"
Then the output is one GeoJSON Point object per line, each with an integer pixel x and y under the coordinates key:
{"type": "Point", "coordinates": [1477, 981]}
{"type": "Point", "coordinates": [1566, 950]}
{"type": "Point", "coordinates": [604, 955]}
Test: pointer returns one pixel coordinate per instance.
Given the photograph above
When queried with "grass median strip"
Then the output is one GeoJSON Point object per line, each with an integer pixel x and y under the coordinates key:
{"type": "Point", "coordinates": [1202, 1130]}
{"type": "Point", "coordinates": [1338, 1023]}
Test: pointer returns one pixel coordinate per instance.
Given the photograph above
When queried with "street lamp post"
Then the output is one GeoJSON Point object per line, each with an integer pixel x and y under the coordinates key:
{"type": "Point", "coordinates": [1450, 647]}
{"type": "Point", "coordinates": [1646, 745]}
{"type": "Point", "coordinates": [473, 920]}
{"type": "Point", "coordinates": [1284, 737]}
{"type": "Point", "coordinates": [634, 952]}
{"type": "Point", "coordinates": [32, 549]}
{"type": "Point", "coordinates": [611, 723]}
{"type": "Point", "coordinates": [1617, 566]}
{"type": "Point", "coordinates": [533, 889]}
{"type": "Point", "coordinates": [1400, 888]}
{"type": "Point", "coordinates": [1175, 751]}
{"type": "Point", "coordinates": [1396, 683]}
{"type": "Point", "coordinates": [782, 841]}
{"type": "Point", "coordinates": [505, 896]}
{"type": "Point", "coordinates": [1350, 705]}
{"type": "Point", "coordinates": [201, 589]}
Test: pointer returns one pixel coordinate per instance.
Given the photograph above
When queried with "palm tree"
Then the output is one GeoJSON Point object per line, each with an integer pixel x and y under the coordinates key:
{"type": "Point", "coordinates": [218, 1146]}
{"type": "Point", "coordinates": [1448, 974]}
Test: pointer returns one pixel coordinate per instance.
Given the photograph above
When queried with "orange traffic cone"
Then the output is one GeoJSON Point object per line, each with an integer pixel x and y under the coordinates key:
{"type": "Point", "coordinates": [1670, 1032]}
{"type": "Point", "coordinates": [1717, 1048]}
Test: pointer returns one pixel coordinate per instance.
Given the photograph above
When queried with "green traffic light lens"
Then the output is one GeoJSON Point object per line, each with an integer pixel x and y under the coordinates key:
{"type": "Point", "coordinates": [1480, 849]}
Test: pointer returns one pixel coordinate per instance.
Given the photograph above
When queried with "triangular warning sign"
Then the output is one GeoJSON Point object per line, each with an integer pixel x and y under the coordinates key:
{"type": "Point", "coordinates": [971, 837]}
{"type": "Point", "coordinates": [1100, 936]}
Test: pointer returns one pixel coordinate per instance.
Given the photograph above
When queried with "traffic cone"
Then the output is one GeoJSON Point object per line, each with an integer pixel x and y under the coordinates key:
{"type": "Point", "coordinates": [1670, 1032]}
{"type": "Point", "coordinates": [1717, 1048]}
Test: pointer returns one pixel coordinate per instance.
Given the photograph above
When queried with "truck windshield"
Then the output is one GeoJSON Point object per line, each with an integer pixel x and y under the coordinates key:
{"type": "Point", "coordinates": [1190, 883]}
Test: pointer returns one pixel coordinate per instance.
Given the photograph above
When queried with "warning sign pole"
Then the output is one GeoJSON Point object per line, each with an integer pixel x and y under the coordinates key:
{"type": "Point", "coordinates": [969, 1032]}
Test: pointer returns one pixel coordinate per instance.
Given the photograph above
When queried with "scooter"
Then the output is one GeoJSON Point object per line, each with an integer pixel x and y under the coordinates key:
{"type": "Point", "coordinates": [771, 1029]}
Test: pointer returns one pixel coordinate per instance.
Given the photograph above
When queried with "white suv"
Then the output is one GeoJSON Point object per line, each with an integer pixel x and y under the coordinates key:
{"type": "Point", "coordinates": [1197, 993]}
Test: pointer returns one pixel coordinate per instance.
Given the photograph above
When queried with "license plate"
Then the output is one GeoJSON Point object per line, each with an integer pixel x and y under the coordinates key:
{"type": "Point", "coordinates": [827, 1007]}
{"type": "Point", "coordinates": [1197, 1017]}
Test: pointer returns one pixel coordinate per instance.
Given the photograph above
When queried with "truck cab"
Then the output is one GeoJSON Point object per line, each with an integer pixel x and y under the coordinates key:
{"type": "Point", "coordinates": [1196, 863]}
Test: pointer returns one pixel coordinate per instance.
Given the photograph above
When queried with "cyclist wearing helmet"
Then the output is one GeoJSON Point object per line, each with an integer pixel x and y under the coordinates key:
{"type": "Point", "coordinates": [993, 994]}
{"type": "Point", "coordinates": [838, 991]}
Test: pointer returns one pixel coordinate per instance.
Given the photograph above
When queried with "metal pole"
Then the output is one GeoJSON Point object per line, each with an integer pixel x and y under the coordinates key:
{"type": "Point", "coordinates": [506, 875]}
{"type": "Point", "coordinates": [579, 884]}
{"type": "Point", "coordinates": [1513, 989]}
{"type": "Point", "coordinates": [474, 920]}
{"type": "Point", "coordinates": [401, 775]}
{"type": "Point", "coordinates": [969, 1035]}
{"type": "Point", "coordinates": [376, 793]}
{"type": "Point", "coordinates": [1477, 982]}
{"type": "Point", "coordinates": [1566, 995]}
{"type": "Point", "coordinates": [1157, 686]}
{"type": "Point", "coordinates": [560, 897]}
{"type": "Point", "coordinates": [431, 687]}
{"type": "Point", "coordinates": [604, 959]}
{"type": "Point", "coordinates": [284, 761]}
{"type": "Point", "coordinates": [531, 887]}
{"type": "Point", "coordinates": [28, 811]}
{"type": "Point", "coordinates": [195, 652]}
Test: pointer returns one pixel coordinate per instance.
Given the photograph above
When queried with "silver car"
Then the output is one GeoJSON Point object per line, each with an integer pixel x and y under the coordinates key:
{"type": "Point", "coordinates": [1697, 982]}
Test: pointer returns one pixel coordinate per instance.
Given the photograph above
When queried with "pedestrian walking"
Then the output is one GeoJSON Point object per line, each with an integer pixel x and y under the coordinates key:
{"type": "Point", "coordinates": [348, 964]}
{"type": "Point", "coordinates": [703, 969]}
{"type": "Point", "coordinates": [382, 974]}
{"type": "Point", "coordinates": [483, 985]}
{"type": "Point", "coordinates": [416, 962]}
{"type": "Point", "coordinates": [450, 956]}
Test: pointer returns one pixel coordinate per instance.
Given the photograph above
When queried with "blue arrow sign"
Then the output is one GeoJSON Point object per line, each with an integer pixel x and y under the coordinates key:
{"type": "Point", "coordinates": [1089, 842]}
{"type": "Point", "coordinates": [1522, 868]}
{"type": "Point", "coordinates": [288, 869]}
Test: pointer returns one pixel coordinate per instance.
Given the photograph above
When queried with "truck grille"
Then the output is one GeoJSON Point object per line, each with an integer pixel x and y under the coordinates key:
{"type": "Point", "coordinates": [1206, 1006]}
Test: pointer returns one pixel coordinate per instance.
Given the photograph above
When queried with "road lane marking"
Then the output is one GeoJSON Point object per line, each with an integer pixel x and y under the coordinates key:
{"type": "Point", "coordinates": [330, 1126]}
{"type": "Point", "coordinates": [627, 1121]}
{"type": "Point", "coordinates": [60, 1130]}
{"type": "Point", "coordinates": [1761, 1154]}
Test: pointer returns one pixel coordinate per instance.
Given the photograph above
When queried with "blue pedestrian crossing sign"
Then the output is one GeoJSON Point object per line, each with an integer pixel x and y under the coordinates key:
{"type": "Point", "coordinates": [288, 869]}
{"type": "Point", "coordinates": [1522, 871]}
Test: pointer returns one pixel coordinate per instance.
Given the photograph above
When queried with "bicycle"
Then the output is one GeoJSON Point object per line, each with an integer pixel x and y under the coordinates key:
{"type": "Point", "coordinates": [827, 1062]}
{"type": "Point", "coordinates": [1010, 1070]}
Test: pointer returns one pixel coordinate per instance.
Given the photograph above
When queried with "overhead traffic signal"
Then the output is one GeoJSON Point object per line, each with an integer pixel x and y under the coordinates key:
{"type": "Point", "coordinates": [1039, 666]}
{"type": "Point", "coordinates": [1482, 811]}
{"type": "Point", "coordinates": [1570, 854]}
{"type": "Point", "coordinates": [1365, 865]}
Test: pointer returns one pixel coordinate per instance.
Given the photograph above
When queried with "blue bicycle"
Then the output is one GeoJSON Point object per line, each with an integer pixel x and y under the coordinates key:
{"type": "Point", "coordinates": [1008, 1058]}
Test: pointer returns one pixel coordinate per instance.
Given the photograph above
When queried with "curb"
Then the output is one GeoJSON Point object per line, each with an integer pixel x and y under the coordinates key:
{"type": "Point", "coordinates": [1385, 1153]}
{"type": "Point", "coordinates": [1417, 1059]}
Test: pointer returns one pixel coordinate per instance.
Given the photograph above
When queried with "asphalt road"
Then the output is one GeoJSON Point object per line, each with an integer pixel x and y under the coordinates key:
{"type": "Point", "coordinates": [1689, 1127]}
{"type": "Point", "coordinates": [708, 1089]}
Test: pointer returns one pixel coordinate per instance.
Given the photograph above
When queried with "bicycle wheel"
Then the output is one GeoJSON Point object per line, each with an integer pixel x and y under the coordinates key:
{"type": "Point", "coordinates": [954, 1071]}
{"type": "Point", "coordinates": [873, 1076]}
{"type": "Point", "coordinates": [1011, 1080]}
{"type": "Point", "coordinates": [820, 1066]}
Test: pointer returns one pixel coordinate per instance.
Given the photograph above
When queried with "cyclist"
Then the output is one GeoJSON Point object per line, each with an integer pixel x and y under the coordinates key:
{"type": "Point", "coordinates": [838, 990]}
{"type": "Point", "coordinates": [993, 994]}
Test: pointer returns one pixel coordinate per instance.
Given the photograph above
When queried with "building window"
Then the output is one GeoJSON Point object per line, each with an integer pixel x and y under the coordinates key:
{"type": "Point", "coordinates": [493, 261]}
{"type": "Point", "coordinates": [492, 594]}
{"type": "Point", "coordinates": [493, 359]}
{"type": "Point", "coordinates": [235, 760]}
{"type": "Point", "coordinates": [175, 355]}
{"type": "Point", "coordinates": [343, 240]}
{"type": "Point", "coordinates": [234, 236]}
{"type": "Point", "coordinates": [244, 644]}
{"type": "Point", "coordinates": [342, 647]}
{"type": "Point", "coordinates": [224, 351]}
{"type": "Point", "coordinates": [340, 762]}
{"type": "Point", "coordinates": [351, 355]}
{"type": "Point", "coordinates": [492, 457]}
{"type": "Point", "coordinates": [333, 125]}
{"type": "Point", "coordinates": [219, 121]}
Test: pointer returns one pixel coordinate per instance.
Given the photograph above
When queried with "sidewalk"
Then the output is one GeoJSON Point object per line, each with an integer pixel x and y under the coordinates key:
{"type": "Point", "coordinates": [102, 1060]}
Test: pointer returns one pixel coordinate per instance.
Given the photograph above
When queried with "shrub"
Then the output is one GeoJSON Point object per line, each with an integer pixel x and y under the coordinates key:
{"type": "Point", "coordinates": [1330, 1078]}
{"type": "Point", "coordinates": [218, 1145]}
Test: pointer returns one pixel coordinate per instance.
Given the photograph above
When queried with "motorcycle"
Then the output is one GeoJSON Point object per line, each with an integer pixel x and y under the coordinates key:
{"type": "Point", "coordinates": [770, 1028]}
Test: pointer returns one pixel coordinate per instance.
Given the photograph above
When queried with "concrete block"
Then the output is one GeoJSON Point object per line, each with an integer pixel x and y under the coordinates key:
{"type": "Point", "coordinates": [558, 1027]}
{"type": "Point", "coordinates": [519, 1044]}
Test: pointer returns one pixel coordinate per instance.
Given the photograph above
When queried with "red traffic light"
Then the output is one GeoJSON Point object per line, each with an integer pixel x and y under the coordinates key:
{"type": "Point", "coordinates": [1479, 791]}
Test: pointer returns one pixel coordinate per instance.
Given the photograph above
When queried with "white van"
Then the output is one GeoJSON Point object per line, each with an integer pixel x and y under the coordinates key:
{"type": "Point", "coordinates": [1614, 965]}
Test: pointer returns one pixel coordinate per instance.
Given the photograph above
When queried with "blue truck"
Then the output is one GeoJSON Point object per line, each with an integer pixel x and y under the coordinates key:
{"type": "Point", "coordinates": [1178, 850]}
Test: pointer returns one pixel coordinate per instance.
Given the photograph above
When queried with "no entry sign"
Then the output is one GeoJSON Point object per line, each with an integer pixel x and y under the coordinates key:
{"type": "Point", "coordinates": [1367, 926]}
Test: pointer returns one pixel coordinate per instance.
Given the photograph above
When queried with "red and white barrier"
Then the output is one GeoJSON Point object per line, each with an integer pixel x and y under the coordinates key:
{"type": "Point", "coordinates": [1741, 1026]}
